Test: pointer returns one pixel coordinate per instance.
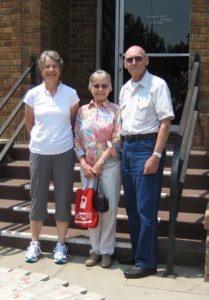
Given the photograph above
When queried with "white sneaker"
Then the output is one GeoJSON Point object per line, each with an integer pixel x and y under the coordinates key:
{"type": "Point", "coordinates": [60, 253]}
{"type": "Point", "coordinates": [33, 252]}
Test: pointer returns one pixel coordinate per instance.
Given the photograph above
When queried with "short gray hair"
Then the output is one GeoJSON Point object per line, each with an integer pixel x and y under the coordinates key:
{"type": "Point", "coordinates": [97, 73]}
{"type": "Point", "coordinates": [53, 55]}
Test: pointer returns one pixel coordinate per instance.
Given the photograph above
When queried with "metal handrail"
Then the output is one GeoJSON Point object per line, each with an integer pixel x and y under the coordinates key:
{"type": "Point", "coordinates": [11, 140]}
{"type": "Point", "coordinates": [31, 69]}
{"type": "Point", "coordinates": [180, 159]}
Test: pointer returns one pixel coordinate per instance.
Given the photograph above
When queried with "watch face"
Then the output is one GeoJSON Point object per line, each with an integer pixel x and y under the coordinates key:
{"type": "Point", "coordinates": [101, 161]}
{"type": "Point", "coordinates": [158, 154]}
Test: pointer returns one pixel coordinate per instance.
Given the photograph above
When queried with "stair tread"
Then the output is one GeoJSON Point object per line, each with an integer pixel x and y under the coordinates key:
{"type": "Point", "coordinates": [190, 171]}
{"type": "Point", "coordinates": [186, 192]}
{"type": "Point", "coordinates": [13, 181]}
{"type": "Point", "coordinates": [11, 203]}
{"type": "Point", "coordinates": [183, 217]}
{"type": "Point", "coordinates": [195, 151]}
{"type": "Point", "coordinates": [25, 163]}
{"type": "Point", "coordinates": [192, 193]}
{"type": "Point", "coordinates": [21, 145]}
{"type": "Point", "coordinates": [17, 163]}
{"type": "Point", "coordinates": [50, 233]}
{"type": "Point", "coordinates": [187, 250]}
{"type": "Point", "coordinates": [47, 231]}
{"type": "Point", "coordinates": [163, 215]}
{"type": "Point", "coordinates": [81, 236]}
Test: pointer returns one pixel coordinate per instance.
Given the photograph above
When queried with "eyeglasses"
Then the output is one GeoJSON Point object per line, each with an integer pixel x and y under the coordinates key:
{"type": "Point", "coordinates": [103, 86]}
{"type": "Point", "coordinates": [54, 66]}
{"type": "Point", "coordinates": [137, 59]}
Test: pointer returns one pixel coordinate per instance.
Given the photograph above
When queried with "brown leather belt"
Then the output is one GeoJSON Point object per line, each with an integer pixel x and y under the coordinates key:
{"type": "Point", "coordinates": [137, 137]}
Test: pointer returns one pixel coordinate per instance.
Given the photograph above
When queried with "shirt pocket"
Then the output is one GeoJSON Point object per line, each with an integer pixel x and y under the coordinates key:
{"type": "Point", "coordinates": [142, 104]}
{"type": "Point", "coordinates": [142, 110]}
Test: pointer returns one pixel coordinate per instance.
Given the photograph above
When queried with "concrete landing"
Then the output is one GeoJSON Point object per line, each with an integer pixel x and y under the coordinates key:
{"type": "Point", "coordinates": [93, 283]}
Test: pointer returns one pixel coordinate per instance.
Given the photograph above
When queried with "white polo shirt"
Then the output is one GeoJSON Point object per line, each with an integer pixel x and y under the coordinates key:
{"type": "Point", "coordinates": [52, 131]}
{"type": "Point", "coordinates": [144, 104]}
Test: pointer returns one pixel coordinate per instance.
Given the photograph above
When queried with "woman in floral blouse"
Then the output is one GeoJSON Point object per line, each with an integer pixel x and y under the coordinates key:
{"type": "Point", "coordinates": [97, 145]}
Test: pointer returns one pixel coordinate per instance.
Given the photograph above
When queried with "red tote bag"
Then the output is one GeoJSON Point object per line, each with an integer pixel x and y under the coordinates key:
{"type": "Point", "coordinates": [85, 214]}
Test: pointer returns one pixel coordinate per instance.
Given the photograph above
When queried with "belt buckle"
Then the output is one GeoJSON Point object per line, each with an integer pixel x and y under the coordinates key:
{"type": "Point", "coordinates": [128, 138]}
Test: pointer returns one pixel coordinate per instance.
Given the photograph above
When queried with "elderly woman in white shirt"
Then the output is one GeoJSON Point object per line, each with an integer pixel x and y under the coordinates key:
{"type": "Point", "coordinates": [50, 110]}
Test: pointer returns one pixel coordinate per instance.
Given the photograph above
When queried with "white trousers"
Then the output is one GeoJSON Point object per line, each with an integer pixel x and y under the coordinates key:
{"type": "Point", "coordinates": [102, 238]}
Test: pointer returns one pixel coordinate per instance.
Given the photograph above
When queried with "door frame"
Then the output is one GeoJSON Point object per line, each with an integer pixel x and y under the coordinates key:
{"type": "Point", "coordinates": [119, 45]}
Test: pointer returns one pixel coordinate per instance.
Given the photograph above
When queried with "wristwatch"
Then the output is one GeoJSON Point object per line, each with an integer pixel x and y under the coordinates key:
{"type": "Point", "coordinates": [158, 154]}
{"type": "Point", "coordinates": [101, 161]}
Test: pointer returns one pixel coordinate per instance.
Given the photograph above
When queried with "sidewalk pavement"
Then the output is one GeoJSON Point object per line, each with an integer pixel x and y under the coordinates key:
{"type": "Point", "coordinates": [110, 283]}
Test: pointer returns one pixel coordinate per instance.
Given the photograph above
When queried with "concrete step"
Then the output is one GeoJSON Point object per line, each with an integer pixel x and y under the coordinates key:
{"type": "Point", "coordinates": [19, 169]}
{"type": "Point", "coordinates": [191, 201]}
{"type": "Point", "coordinates": [199, 158]}
{"type": "Point", "coordinates": [187, 251]}
{"type": "Point", "coordinates": [11, 188]}
{"type": "Point", "coordinates": [196, 178]}
{"type": "Point", "coordinates": [190, 233]}
{"type": "Point", "coordinates": [19, 151]}
{"type": "Point", "coordinates": [18, 211]}
{"type": "Point", "coordinates": [194, 201]}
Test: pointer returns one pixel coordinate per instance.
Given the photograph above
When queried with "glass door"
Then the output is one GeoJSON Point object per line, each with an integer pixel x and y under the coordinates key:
{"type": "Point", "coordinates": [161, 27]}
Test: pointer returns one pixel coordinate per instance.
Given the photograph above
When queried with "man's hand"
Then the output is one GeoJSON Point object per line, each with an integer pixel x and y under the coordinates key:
{"type": "Point", "coordinates": [151, 165]}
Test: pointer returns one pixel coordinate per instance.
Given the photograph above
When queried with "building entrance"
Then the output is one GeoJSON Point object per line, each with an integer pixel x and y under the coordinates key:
{"type": "Point", "coordinates": [160, 27]}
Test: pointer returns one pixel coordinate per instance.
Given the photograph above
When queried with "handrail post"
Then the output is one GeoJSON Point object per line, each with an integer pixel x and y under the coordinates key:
{"type": "Point", "coordinates": [180, 160]}
{"type": "Point", "coordinates": [197, 59]}
{"type": "Point", "coordinates": [175, 170]}
{"type": "Point", "coordinates": [33, 70]}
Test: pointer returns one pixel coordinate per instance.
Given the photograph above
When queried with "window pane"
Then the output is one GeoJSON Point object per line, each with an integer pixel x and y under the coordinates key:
{"type": "Point", "coordinates": [174, 70]}
{"type": "Point", "coordinates": [159, 26]}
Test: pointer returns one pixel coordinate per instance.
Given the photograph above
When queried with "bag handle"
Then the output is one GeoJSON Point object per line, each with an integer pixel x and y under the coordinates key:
{"type": "Point", "coordinates": [97, 187]}
{"type": "Point", "coordinates": [99, 190]}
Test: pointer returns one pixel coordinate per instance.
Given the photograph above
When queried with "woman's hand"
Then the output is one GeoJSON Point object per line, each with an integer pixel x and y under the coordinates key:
{"type": "Point", "coordinates": [87, 169]}
{"type": "Point", "coordinates": [97, 168]}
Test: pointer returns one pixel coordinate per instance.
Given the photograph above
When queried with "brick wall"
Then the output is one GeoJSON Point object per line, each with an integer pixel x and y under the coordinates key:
{"type": "Point", "coordinates": [19, 38]}
{"type": "Point", "coordinates": [29, 27]}
{"type": "Point", "coordinates": [10, 50]}
{"type": "Point", "coordinates": [199, 42]}
{"type": "Point", "coordinates": [82, 45]}
{"type": "Point", "coordinates": [54, 30]}
{"type": "Point", "coordinates": [26, 28]}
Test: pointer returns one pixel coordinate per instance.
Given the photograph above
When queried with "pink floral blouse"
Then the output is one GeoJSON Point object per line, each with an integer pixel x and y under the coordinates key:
{"type": "Point", "coordinates": [96, 128]}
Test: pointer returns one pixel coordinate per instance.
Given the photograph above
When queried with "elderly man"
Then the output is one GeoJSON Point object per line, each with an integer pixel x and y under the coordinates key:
{"type": "Point", "coordinates": [146, 112]}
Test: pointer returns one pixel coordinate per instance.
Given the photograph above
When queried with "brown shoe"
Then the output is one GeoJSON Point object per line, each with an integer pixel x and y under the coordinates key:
{"type": "Point", "coordinates": [92, 260]}
{"type": "Point", "coordinates": [106, 261]}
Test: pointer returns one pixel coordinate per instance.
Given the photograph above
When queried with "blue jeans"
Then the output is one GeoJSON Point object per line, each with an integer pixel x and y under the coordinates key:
{"type": "Point", "coordinates": [142, 198]}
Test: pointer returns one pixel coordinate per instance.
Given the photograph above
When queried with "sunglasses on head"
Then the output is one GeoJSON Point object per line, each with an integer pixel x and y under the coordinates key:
{"type": "Point", "coordinates": [103, 86]}
{"type": "Point", "coordinates": [137, 59]}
